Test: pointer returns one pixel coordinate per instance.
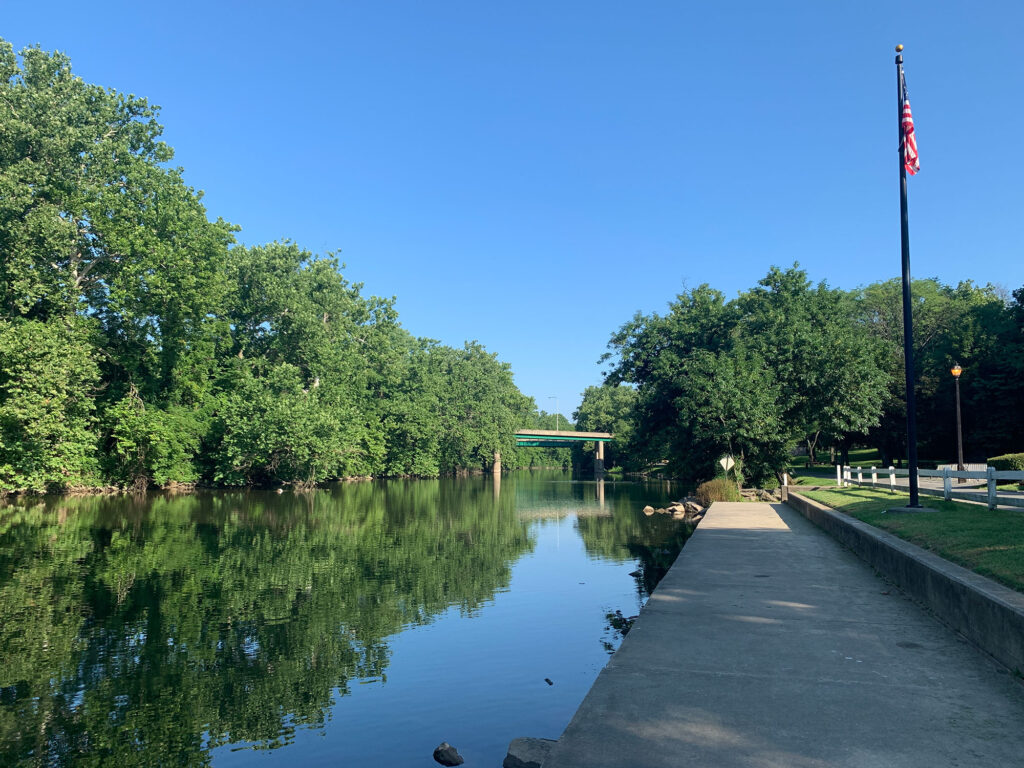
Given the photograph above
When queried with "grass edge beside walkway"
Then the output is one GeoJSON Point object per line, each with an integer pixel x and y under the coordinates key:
{"type": "Point", "coordinates": [988, 542]}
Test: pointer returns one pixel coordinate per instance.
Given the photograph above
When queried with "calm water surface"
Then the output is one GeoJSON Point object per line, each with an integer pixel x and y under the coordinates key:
{"type": "Point", "coordinates": [363, 624]}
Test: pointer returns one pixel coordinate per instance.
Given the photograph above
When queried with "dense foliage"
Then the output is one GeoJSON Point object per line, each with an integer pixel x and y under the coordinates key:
{"type": "Point", "coordinates": [1009, 462]}
{"type": "Point", "coordinates": [789, 363]}
{"type": "Point", "coordinates": [607, 409]}
{"type": "Point", "coordinates": [140, 345]}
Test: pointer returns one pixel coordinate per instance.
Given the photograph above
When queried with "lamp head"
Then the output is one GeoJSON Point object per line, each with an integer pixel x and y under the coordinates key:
{"type": "Point", "coordinates": [956, 370]}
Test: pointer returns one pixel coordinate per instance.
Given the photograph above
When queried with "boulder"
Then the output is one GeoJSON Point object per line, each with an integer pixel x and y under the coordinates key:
{"type": "Point", "coordinates": [693, 507]}
{"type": "Point", "coordinates": [446, 754]}
{"type": "Point", "coordinates": [648, 510]}
{"type": "Point", "coordinates": [527, 753]}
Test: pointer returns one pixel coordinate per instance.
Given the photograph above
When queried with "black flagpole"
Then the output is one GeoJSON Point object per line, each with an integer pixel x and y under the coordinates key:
{"type": "Point", "coordinates": [908, 322]}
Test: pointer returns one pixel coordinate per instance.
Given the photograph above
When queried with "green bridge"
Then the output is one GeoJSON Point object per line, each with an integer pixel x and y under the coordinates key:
{"type": "Point", "coordinates": [552, 438]}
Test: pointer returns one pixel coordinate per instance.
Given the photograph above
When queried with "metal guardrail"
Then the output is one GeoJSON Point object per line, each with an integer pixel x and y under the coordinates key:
{"type": "Point", "coordinates": [991, 495]}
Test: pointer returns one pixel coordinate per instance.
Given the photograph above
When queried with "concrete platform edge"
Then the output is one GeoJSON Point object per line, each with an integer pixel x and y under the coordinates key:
{"type": "Point", "coordinates": [988, 614]}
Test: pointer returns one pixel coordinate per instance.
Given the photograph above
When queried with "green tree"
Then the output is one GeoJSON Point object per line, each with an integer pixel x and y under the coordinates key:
{"type": "Point", "coordinates": [829, 371]}
{"type": "Point", "coordinates": [609, 409]}
{"type": "Point", "coordinates": [648, 352]}
{"type": "Point", "coordinates": [48, 381]}
{"type": "Point", "coordinates": [481, 407]}
{"type": "Point", "coordinates": [131, 324]}
{"type": "Point", "coordinates": [784, 362]}
{"type": "Point", "coordinates": [94, 225]}
{"type": "Point", "coordinates": [972, 325]}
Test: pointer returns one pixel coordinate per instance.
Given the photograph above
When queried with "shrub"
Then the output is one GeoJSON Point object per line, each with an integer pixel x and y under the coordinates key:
{"type": "Point", "coordinates": [719, 489]}
{"type": "Point", "coordinates": [1008, 462]}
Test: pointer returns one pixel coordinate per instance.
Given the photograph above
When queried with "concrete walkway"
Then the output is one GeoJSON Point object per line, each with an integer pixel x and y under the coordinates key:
{"type": "Point", "coordinates": [767, 644]}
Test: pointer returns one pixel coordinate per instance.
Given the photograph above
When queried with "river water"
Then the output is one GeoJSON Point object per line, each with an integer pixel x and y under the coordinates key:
{"type": "Point", "coordinates": [357, 625]}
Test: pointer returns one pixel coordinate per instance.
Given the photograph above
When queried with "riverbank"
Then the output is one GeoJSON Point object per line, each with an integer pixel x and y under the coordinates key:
{"type": "Point", "coordinates": [769, 644]}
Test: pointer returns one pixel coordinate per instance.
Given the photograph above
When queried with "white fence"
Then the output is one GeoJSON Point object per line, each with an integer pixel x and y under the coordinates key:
{"type": "Point", "coordinates": [991, 494]}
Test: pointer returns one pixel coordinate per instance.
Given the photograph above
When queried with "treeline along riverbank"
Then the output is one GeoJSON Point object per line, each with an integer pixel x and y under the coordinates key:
{"type": "Point", "coordinates": [790, 363]}
{"type": "Point", "coordinates": [140, 345]}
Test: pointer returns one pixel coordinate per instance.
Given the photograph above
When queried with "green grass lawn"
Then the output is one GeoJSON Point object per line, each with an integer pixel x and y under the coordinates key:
{"type": "Point", "coordinates": [989, 542]}
{"type": "Point", "coordinates": [814, 477]}
{"type": "Point", "coordinates": [859, 457]}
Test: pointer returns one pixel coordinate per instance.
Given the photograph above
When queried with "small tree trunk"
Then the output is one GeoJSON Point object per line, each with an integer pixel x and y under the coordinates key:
{"type": "Point", "coordinates": [812, 444]}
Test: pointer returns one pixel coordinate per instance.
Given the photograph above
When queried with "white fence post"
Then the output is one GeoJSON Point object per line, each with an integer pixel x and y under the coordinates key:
{"type": "Point", "coordinates": [785, 478]}
{"type": "Point", "coordinates": [874, 477]}
{"type": "Point", "coordinates": [860, 475]}
{"type": "Point", "coordinates": [991, 472]}
{"type": "Point", "coordinates": [892, 478]}
{"type": "Point", "coordinates": [839, 475]}
{"type": "Point", "coordinates": [947, 489]}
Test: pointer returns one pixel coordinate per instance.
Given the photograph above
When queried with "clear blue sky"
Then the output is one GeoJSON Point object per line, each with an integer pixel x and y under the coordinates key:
{"type": "Point", "coordinates": [530, 174]}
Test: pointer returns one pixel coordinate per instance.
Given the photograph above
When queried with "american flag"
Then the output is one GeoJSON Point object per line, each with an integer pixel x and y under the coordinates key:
{"type": "Point", "coordinates": [910, 159]}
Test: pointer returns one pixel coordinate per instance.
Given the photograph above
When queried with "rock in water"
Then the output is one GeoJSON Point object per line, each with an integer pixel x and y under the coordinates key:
{"type": "Point", "coordinates": [446, 754]}
{"type": "Point", "coordinates": [527, 753]}
{"type": "Point", "coordinates": [648, 510]}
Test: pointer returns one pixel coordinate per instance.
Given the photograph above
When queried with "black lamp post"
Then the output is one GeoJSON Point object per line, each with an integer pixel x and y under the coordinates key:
{"type": "Point", "coordinates": [956, 370]}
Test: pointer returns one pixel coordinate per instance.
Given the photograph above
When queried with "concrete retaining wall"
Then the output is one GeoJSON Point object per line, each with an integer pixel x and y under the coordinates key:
{"type": "Point", "coordinates": [987, 613]}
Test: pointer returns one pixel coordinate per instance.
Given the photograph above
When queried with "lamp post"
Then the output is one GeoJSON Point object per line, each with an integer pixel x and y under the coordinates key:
{"type": "Point", "coordinates": [956, 370]}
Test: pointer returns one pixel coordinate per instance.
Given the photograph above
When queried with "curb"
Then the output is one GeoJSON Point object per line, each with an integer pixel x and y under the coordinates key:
{"type": "Point", "coordinates": [988, 614]}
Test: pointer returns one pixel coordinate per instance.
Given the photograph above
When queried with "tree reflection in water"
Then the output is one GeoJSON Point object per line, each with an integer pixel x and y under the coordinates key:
{"type": "Point", "coordinates": [150, 631]}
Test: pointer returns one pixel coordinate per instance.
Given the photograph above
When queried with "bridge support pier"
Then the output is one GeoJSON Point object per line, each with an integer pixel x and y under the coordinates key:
{"type": "Point", "coordinates": [497, 462]}
{"type": "Point", "coordinates": [599, 459]}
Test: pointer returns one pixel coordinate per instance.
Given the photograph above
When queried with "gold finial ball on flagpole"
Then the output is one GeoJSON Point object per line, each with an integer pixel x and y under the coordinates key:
{"type": "Point", "coordinates": [899, 47]}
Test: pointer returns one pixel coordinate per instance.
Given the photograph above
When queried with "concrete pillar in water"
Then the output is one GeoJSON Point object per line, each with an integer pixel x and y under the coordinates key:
{"type": "Point", "coordinates": [497, 462]}
{"type": "Point", "coordinates": [599, 459]}
{"type": "Point", "coordinates": [600, 493]}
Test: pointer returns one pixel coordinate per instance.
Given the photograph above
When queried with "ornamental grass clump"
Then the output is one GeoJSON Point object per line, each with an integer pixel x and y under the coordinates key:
{"type": "Point", "coordinates": [719, 489]}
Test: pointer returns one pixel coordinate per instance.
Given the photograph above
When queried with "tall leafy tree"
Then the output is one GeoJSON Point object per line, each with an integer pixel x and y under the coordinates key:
{"type": "Point", "coordinates": [829, 371]}
{"type": "Point", "coordinates": [140, 345]}
{"type": "Point", "coordinates": [784, 362]}
{"type": "Point", "coordinates": [610, 409]}
{"type": "Point", "coordinates": [48, 380]}
{"type": "Point", "coordinates": [972, 325]}
{"type": "Point", "coordinates": [96, 228]}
